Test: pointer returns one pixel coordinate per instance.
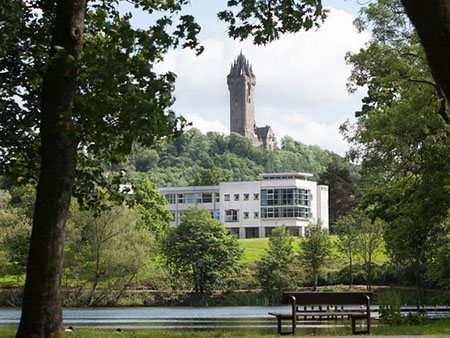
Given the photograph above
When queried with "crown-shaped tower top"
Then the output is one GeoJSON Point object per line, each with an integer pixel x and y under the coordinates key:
{"type": "Point", "coordinates": [241, 66]}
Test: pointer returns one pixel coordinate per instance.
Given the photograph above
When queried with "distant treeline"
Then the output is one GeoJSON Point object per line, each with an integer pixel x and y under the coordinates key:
{"type": "Point", "coordinates": [230, 157]}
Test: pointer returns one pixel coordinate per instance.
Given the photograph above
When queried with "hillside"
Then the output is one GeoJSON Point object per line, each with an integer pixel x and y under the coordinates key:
{"type": "Point", "coordinates": [232, 157]}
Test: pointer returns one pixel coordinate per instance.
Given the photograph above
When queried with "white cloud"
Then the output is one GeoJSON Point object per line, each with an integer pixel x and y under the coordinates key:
{"type": "Point", "coordinates": [302, 75]}
{"type": "Point", "coordinates": [308, 131]}
{"type": "Point", "coordinates": [206, 125]}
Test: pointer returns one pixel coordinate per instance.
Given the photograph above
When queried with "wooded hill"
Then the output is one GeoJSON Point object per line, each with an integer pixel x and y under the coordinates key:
{"type": "Point", "coordinates": [196, 158]}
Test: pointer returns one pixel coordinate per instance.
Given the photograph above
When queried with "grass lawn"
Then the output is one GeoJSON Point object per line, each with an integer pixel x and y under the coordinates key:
{"type": "Point", "coordinates": [254, 248]}
{"type": "Point", "coordinates": [437, 328]}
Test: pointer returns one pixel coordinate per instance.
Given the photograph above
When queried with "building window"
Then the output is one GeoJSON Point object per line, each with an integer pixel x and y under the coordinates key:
{"type": "Point", "coordinates": [246, 196]}
{"type": "Point", "coordinates": [217, 197]}
{"type": "Point", "coordinates": [207, 197]}
{"type": "Point", "coordinates": [189, 199]}
{"type": "Point", "coordinates": [256, 214]}
{"type": "Point", "coordinates": [231, 215]}
{"type": "Point", "coordinates": [251, 232]}
{"type": "Point", "coordinates": [226, 197]}
{"type": "Point", "coordinates": [198, 198]}
{"type": "Point", "coordinates": [256, 196]}
{"type": "Point", "coordinates": [171, 199]}
{"type": "Point", "coordinates": [246, 214]}
{"type": "Point", "coordinates": [217, 215]}
{"type": "Point", "coordinates": [180, 198]}
{"type": "Point", "coordinates": [236, 197]}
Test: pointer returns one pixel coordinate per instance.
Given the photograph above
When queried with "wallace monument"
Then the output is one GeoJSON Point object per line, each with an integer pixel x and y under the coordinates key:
{"type": "Point", "coordinates": [241, 84]}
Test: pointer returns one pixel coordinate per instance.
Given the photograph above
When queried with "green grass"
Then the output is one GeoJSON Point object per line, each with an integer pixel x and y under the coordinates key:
{"type": "Point", "coordinates": [254, 249]}
{"type": "Point", "coordinates": [437, 328]}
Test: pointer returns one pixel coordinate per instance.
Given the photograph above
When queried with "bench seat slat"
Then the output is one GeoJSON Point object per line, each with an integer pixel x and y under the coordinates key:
{"type": "Point", "coordinates": [319, 314]}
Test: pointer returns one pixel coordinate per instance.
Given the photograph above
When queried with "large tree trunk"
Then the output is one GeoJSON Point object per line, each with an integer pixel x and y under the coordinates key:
{"type": "Point", "coordinates": [41, 310]}
{"type": "Point", "coordinates": [432, 21]}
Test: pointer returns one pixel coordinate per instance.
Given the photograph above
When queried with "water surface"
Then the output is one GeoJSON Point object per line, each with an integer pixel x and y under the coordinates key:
{"type": "Point", "coordinates": [248, 318]}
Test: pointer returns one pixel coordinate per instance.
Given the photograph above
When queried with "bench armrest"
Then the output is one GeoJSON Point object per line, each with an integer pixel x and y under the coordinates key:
{"type": "Point", "coordinates": [367, 299]}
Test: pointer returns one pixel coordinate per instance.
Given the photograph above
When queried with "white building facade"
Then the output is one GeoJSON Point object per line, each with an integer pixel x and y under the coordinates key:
{"type": "Point", "coordinates": [251, 209]}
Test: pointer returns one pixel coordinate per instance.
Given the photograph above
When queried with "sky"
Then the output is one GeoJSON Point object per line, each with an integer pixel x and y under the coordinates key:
{"type": "Point", "coordinates": [300, 79]}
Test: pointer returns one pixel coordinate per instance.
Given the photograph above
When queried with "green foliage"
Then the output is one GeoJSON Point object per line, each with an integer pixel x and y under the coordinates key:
{"type": "Point", "coordinates": [15, 233]}
{"type": "Point", "coordinates": [200, 246]}
{"type": "Point", "coordinates": [209, 176]}
{"type": "Point", "coordinates": [347, 243]}
{"type": "Point", "coordinates": [390, 306]}
{"type": "Point", "coordinates": [152, 210]}
{"type": "Point", "coordinates": [443, 259]}
{"type": "Point", "coordinates": [274, 267]}
{"type": "Point", "coordinates": [315, 247]}
{"type": "Point", "coordinates": [106, 249]}
{"type": "Point", "coordinates": [198, 159]}
{"type": "Point", "coordinates": [401, 136]}
{"type": "Point", "coordinates": [265, 21]}
{"type": "Point", "coordinates": [344, 194]}
{"type": "Point", "coordinates": [370, 238]}
{"type": "Point", "coordinates": [119, 100]}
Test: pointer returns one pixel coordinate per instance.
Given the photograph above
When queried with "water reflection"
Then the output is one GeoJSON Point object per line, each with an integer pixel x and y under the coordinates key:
{"type": "Point", "coordinates": [248, 318]}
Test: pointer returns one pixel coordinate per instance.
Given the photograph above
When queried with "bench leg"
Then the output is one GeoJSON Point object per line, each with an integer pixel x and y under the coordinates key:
{"type": "Point", "coordinates": [280, 328]}
{"type": "Point", "coordinates": [354, 326]}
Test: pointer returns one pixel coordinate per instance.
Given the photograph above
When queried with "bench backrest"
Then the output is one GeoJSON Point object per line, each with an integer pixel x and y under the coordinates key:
{"type": "Point", "coordinates": [327, 298]}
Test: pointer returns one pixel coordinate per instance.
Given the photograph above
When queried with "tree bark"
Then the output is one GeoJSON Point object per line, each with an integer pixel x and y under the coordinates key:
{"type": "Point", "coordinates": [432, 21]}
{"type": "Point", "coordinates": [41, 309]}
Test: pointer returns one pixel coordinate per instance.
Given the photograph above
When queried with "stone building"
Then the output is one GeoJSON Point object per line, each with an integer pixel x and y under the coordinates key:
{"type": "Point", "coordinates": [241, 84]}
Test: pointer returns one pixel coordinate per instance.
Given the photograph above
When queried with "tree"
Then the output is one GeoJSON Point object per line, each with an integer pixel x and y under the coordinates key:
{"type": "Point", "coordinates": [146, 159]}
{"type": "Point", "coordinates": [151, 207]}
{"type": "Point", "coordinates": [210, 177]}
{"type": "Point", "coordinates": [344, 195]}
{"type": "Point", "coordinates": [107, 249]}
{"type": "Point", "coordinates": [401, 136]}
{"type": "Point", "coordinates": [315, 247]}
{"type": "Point", "coordinates": [15, 231]}
{"type": "Point", "coordinates": [81, 90]}
{"type": "Point", "coordinates": [369, 240]}
{"type": "Point", "coordinates": [200, 246]}
{"type": "Point", "coordinates": [273, 268]}
{"type": "Point", "coordinates": [347, 243]}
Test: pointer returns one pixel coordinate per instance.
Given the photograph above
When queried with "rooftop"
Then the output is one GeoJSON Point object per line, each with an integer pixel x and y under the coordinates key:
{"type": "Point", "coordinates": [285, 176]}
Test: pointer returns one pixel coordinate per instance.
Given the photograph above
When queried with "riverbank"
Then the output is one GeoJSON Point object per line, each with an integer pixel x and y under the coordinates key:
{"type": "Point", "coordinates": [11, 297]}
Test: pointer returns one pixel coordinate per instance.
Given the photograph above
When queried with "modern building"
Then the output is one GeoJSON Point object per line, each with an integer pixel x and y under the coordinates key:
{"type": "Point", "coordinates": [241, 84]}
{"type": "Point", "coordinates": [251, 209]}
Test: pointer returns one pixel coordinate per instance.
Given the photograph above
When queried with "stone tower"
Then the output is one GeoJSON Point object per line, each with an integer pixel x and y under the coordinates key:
{"type": "Point", "coordinates": [241, 84]}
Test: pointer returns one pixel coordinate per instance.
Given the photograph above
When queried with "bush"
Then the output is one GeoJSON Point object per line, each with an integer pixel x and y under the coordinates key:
{"type": "Point", "coordinates": [390, 306]}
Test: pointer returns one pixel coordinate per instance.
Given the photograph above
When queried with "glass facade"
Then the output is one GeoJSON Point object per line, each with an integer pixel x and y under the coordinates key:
{"type": "Point", "coordinates": [285, 203]}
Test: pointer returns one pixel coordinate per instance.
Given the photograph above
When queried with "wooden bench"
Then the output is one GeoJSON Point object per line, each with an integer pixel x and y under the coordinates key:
{"type": "Point", "coordinates": [325, 305]}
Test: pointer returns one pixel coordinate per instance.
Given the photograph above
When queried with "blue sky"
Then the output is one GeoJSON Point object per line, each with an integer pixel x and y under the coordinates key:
{"type": "Point", "coordinates": [300, 79]}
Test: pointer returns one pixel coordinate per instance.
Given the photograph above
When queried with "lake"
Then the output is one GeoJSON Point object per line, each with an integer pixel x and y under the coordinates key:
{"type": "Point", "coordinates": [248, 318]}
